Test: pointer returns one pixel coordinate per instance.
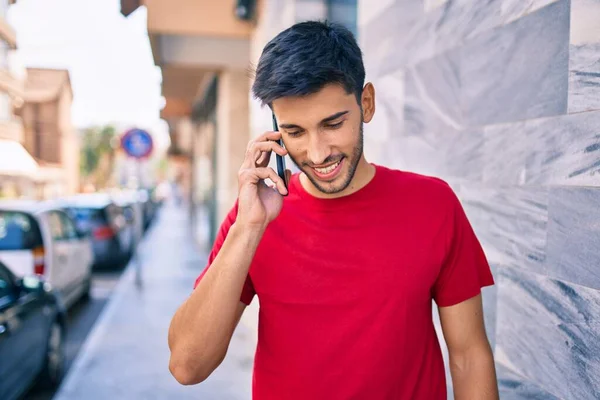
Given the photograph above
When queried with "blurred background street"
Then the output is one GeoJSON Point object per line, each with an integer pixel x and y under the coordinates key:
{"type": "Point", "coordinates": [123, 124]}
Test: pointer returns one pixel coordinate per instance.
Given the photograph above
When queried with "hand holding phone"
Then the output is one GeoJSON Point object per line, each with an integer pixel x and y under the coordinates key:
{"type": "Point", "coordinates": [259, 204]}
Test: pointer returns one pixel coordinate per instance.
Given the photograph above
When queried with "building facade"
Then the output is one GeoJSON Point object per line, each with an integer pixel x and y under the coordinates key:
{"type": "Point", "coordinates": [49, 135]}
{"type": "Point", "coordinates": [17, 166]}
{"type": "Point", "coordinates": [500, 98]}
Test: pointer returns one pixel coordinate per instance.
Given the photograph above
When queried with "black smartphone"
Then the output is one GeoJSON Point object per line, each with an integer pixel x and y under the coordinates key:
{"type": "Point", "coordinates": [280, 160]}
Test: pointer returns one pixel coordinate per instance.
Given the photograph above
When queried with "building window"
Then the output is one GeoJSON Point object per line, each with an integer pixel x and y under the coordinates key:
{"type": "Point", "coordinates": [344, 12]}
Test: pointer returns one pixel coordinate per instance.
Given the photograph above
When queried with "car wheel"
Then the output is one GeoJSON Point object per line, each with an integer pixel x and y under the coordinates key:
{"type": "Point", "coordinates": [54, 364]}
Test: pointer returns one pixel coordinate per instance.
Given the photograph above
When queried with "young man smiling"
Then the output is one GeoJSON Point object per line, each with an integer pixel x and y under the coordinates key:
{"type": "Point", "coordinates": [346, 266]}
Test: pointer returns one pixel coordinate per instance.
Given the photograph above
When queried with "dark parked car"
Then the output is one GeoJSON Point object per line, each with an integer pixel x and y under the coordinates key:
{"type": "Point", "coordinates": [32, 327]}
{"type": "Point", "coordinates": [108, 226]}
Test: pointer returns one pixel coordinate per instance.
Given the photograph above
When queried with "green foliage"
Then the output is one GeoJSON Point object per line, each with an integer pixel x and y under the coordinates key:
{"type": "Point", "coordinates": [163, 165]}
{"type": "Point", "coordinates": [95, 143]}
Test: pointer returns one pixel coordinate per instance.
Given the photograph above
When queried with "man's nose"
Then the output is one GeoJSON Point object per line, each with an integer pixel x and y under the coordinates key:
{"type": "Point", "coordinates": [318, 150]}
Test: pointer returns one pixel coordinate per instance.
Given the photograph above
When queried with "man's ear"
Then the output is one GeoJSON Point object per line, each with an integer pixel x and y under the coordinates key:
{"type": "Point", "coordinates": [368, 102]}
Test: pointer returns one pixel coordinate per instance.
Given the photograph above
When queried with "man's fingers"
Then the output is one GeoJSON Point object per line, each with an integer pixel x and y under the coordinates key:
{"type": "Point", "coordinates": [269, 146]}
{"type": "Point", "coordinates": [270, 135]}
{"type": "Point", "coordinates": [256, 148]}
{"type": "Point", "coordinates": [263, 160]}
{"type": "Point", "coordinates": [257, 158]}
{"type": "Point", "coordinates": [269, 173]}
{"type": "Point", "coordinates": [256, 152]}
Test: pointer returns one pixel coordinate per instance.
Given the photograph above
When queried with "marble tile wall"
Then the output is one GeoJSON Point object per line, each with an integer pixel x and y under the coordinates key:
{"type": "Point", "coordinates": [506, 75]}
{"type": "Point", "coordinates": [513, 387]}
{"type": "Point", "coordinates": [501, 98]}
{"type": "Point", "coordinates": [584, 64]}
{"type": "Point", "coordinates": [549, 332]}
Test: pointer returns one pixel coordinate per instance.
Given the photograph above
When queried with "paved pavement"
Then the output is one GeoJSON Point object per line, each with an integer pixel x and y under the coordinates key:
{"type": "Point", "coordinates": [126, 355]}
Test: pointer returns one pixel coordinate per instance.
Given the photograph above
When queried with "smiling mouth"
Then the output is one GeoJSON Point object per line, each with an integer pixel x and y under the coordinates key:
{"type": "Point", "coordinates": [328, 169]}
{"type": "Point", "coordinates": [328, 172]}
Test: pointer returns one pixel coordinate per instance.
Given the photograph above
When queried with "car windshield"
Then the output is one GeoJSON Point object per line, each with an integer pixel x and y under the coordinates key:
{"type": "Point", "coordinates": [18, 231]}
{"type": "Point", "coordinates": [85, 217]}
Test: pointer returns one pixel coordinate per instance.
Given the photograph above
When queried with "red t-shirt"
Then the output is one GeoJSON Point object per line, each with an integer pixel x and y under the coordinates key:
{"type": "Point", "coordinates": [346, 288]}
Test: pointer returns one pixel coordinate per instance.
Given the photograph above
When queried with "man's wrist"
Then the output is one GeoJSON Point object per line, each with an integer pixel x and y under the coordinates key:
{"type": "Point", "coordinates": [247, 232]}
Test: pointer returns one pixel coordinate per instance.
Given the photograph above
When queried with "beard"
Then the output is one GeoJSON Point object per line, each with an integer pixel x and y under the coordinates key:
{"type": "Point", "coordinates": [351, 159]}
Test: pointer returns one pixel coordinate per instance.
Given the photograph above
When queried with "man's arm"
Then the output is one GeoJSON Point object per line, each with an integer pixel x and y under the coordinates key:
{"type": "Point", "coordinates": [471, 359]}
{"type": "Point", "coordinates": [202, 327]}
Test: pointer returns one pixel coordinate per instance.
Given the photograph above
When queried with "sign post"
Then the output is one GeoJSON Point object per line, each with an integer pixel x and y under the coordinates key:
{"type": "Point", "coordinates": [137, 144]}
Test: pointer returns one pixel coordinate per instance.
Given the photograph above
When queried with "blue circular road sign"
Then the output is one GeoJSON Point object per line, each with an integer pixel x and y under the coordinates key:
{"type": "Point", "coordinates": [137, 143]}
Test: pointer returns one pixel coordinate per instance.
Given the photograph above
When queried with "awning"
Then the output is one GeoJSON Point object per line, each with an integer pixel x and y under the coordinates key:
{"type": "Point", "coordinates": [15, 160]}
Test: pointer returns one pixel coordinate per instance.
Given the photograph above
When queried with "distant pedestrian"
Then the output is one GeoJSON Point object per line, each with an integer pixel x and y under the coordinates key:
{"type": "Point", "coordinates": [347, 262]}
{"type": "Point", "coordinates": [176, 193]}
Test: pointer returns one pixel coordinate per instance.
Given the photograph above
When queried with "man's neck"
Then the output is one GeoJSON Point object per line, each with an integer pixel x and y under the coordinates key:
{"type": "Point", "coordinates": [362, 176]}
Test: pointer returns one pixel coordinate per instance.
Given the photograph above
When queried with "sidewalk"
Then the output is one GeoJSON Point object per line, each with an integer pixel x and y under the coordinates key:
{"type": "Point", "coordinates": [126, 355]}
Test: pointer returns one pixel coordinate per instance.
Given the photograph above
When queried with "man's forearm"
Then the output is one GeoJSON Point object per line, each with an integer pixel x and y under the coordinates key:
{"type": "Point", "coordinates": [474, 374]}
{"type": "Point", "coordinates": [201, 328]}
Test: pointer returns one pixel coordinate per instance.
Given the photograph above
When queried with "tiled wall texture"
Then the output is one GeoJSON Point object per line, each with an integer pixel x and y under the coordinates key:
{"type": "Point", "coordinates": [501, 98]}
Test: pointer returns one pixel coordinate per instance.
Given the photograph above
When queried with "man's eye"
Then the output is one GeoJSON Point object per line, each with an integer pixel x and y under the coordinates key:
{"type": "Point", "coordinates": [294, 134]}
{"type": "Point", "coordinates": [335, 126]}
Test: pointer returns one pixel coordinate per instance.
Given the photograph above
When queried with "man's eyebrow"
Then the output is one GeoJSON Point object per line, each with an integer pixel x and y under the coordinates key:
{"type": "Point", "coordinates": [290, 126]}
{"type": "Point", "coordinates": [323, 121]}
{"type": "Point", "coordinates": [333, 117]}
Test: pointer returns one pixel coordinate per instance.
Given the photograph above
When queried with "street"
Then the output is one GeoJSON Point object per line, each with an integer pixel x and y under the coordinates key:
{"type": "Point", "coordinates": [81, 319]}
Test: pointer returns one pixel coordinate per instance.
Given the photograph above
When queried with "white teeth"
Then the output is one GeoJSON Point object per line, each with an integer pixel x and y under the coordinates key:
{"type": "Point", "coordinates": [328, 169]}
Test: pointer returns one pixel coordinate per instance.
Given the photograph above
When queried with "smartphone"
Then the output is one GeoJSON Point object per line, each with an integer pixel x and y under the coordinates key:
{"type": "Point", "coordinates": [280, 160]}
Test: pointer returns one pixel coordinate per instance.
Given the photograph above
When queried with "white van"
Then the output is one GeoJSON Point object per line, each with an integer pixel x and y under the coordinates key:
{"type": "Point", "coordinates": [40, 238]}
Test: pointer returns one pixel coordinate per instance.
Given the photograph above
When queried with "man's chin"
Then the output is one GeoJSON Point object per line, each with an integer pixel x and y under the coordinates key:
{"type": "Point", "coordinates": [336, 185]}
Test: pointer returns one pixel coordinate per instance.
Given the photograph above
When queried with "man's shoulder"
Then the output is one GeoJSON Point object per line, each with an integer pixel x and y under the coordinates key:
{"type": "Point", "coordinates": [416, 183]}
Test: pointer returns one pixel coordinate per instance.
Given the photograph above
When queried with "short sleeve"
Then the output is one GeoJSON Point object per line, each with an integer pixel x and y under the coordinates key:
{"type": "Point", "coordinates": [465, 269]}
{"type": "Point", "coordinates": [248, 289]}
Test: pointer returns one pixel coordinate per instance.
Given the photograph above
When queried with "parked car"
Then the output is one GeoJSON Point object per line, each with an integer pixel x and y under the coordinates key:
{"type": "Point", "coordinates": [107, 224]}
{"type": "Point", "coordinates": [129, 201]}
{"type": "Point", "coordinates": [40, 238]}
{"type": "Point", "coordinates": [32, 327]}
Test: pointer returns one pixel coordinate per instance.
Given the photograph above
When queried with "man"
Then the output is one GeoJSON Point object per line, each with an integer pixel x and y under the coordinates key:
{"type": "Point", "coordinates": [346, 264]}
